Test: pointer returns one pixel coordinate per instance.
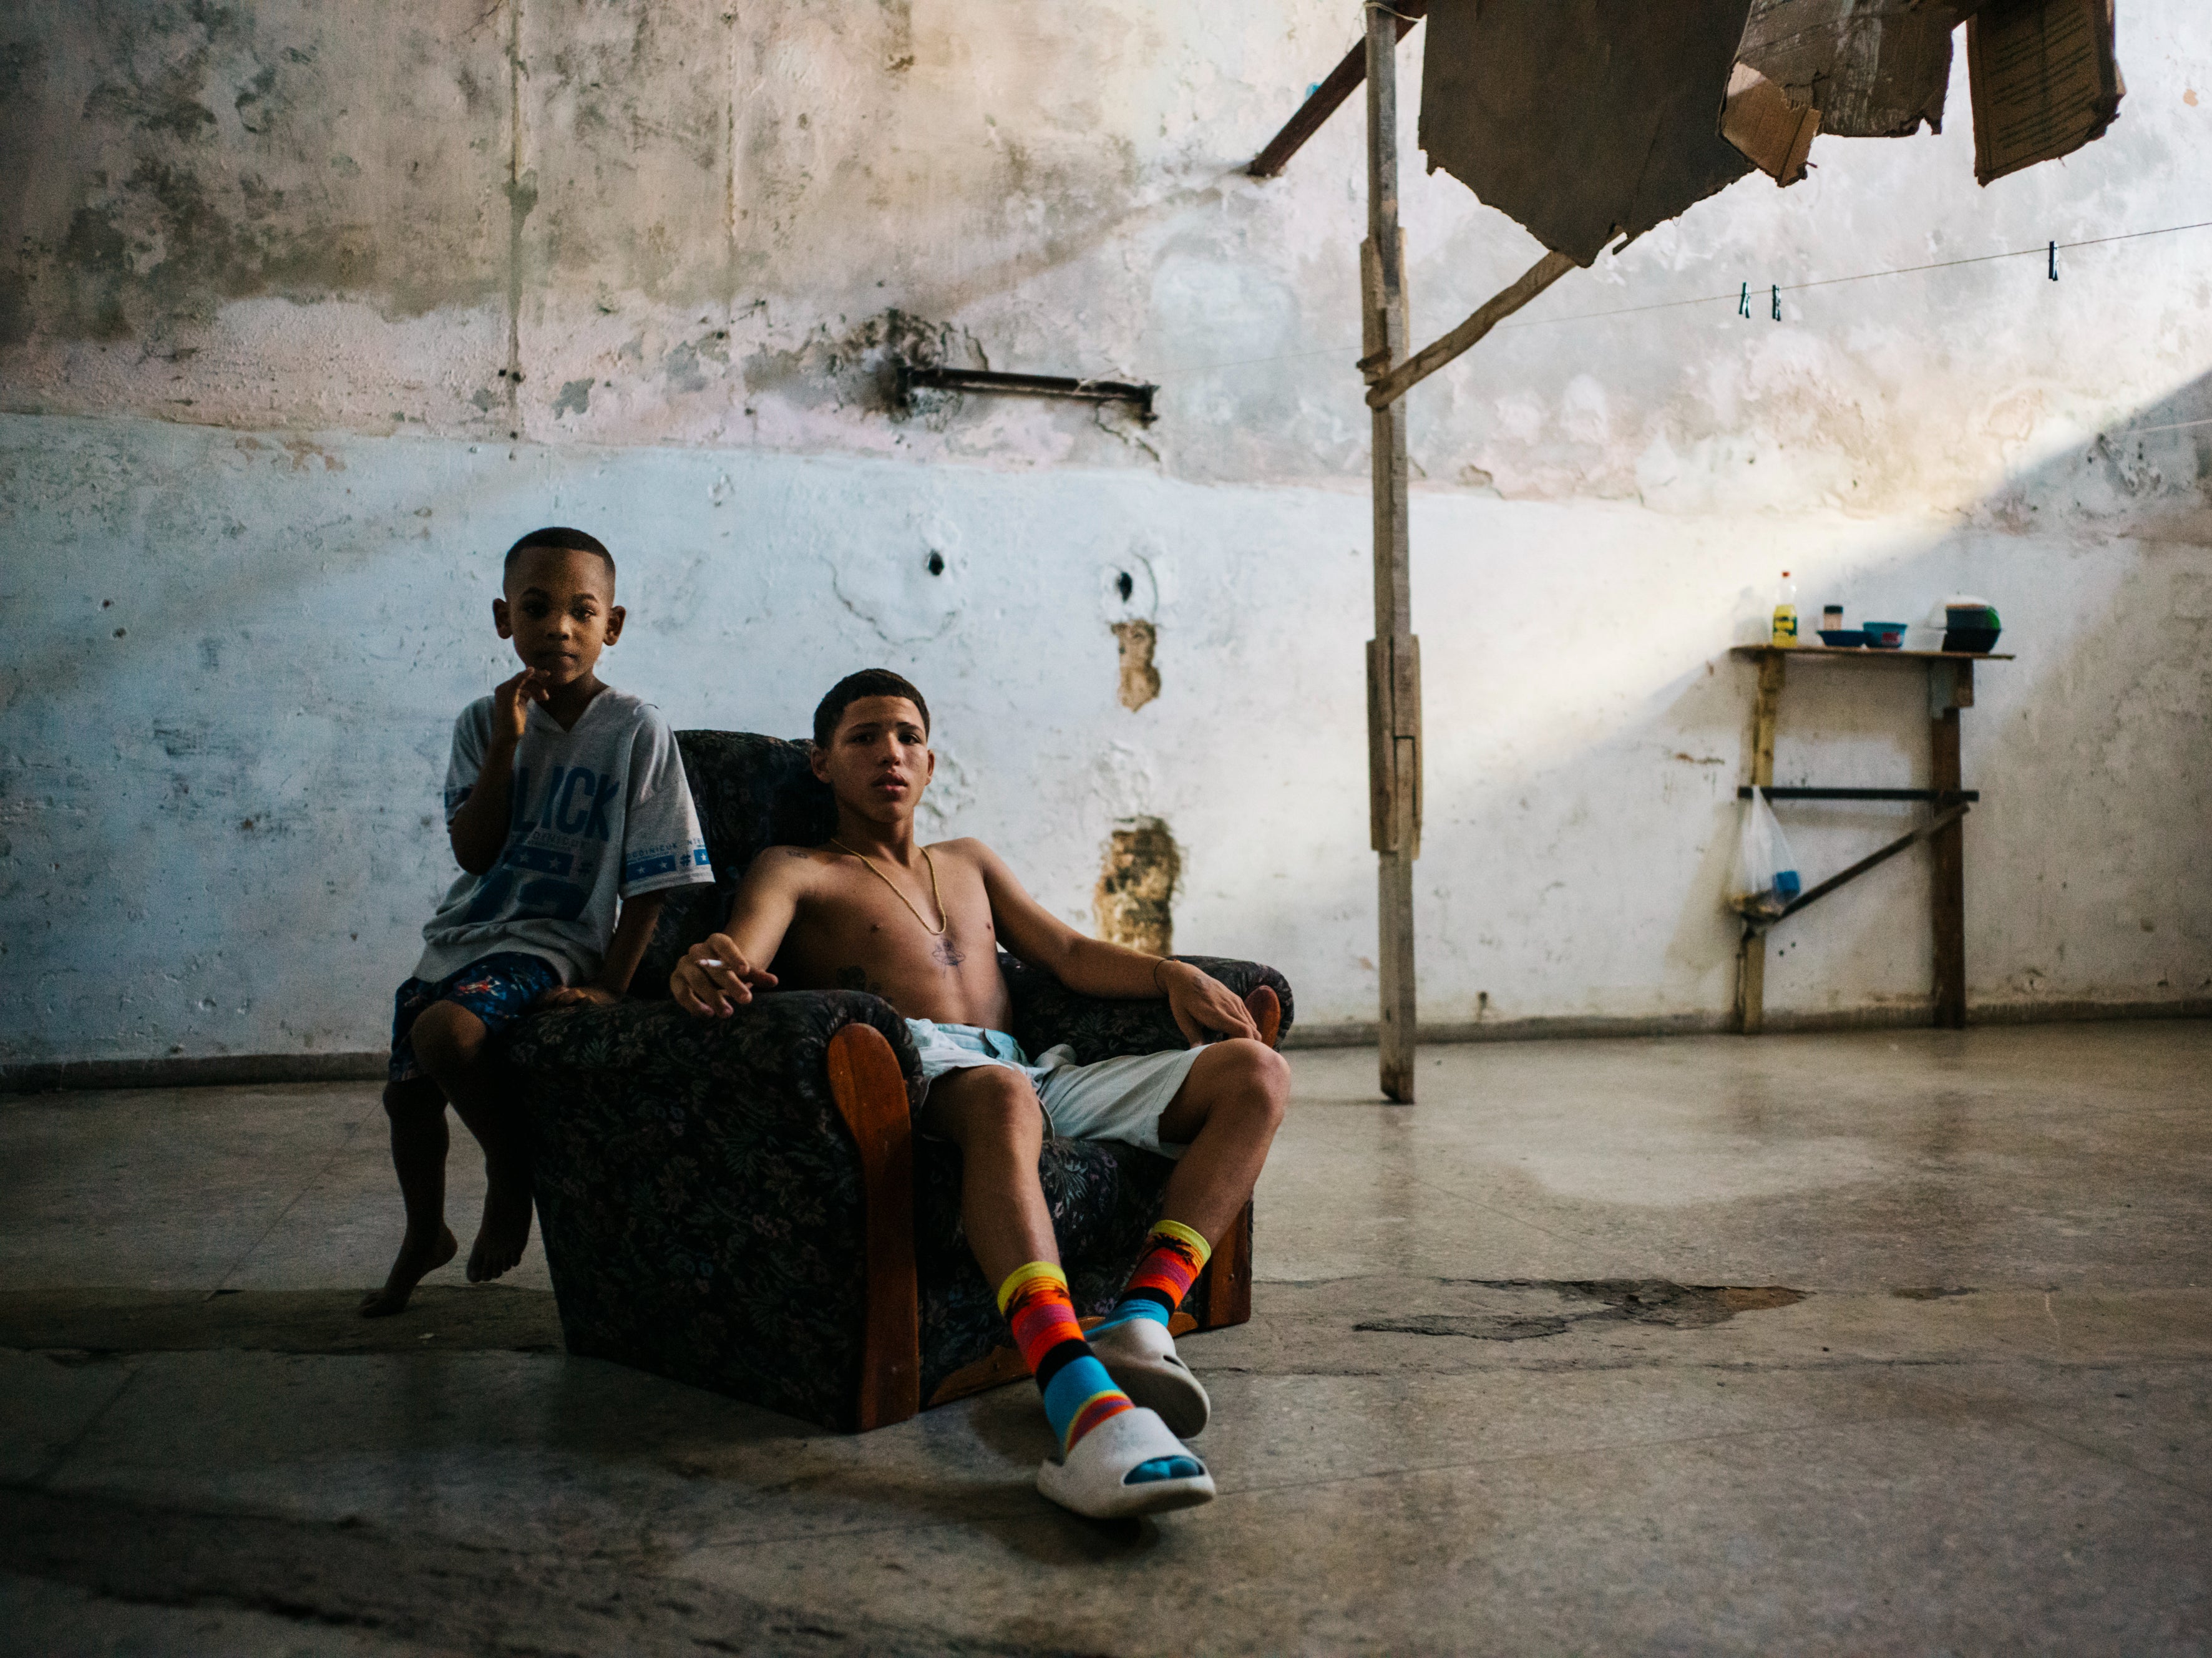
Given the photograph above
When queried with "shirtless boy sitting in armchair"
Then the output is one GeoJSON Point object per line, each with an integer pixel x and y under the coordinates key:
{"type": "Point", "coordinates": [921, 927]}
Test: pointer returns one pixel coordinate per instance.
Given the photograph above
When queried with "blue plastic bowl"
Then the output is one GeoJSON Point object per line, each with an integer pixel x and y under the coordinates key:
{"type": "Point", "coordinates": [1843, 637]}
{"type": "Point", "coordinates": [1884, 636]}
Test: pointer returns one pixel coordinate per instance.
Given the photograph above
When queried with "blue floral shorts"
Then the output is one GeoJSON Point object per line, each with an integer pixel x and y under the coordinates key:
{"type": "Point", "coordinates": [498, 989]}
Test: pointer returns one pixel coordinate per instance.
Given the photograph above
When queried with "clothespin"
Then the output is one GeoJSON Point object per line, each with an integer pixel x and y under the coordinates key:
{"type": "Point", "coordinates": [1778, 303]}
{"type": "Point", "coordinates": [2054, 261]}
{"type": "Point", "coordinates": [1744, 302]}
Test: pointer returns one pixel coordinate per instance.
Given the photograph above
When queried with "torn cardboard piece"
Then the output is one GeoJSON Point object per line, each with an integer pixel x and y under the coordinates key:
{"type": "Point", "coordinates": [2046, 80]}
{"type": "Point", "coordinates": [1759, 120]}
{"type": "Point", "coordinates": [1874, 68]}
{"type": "Point", "coordinates": [1586, 120]}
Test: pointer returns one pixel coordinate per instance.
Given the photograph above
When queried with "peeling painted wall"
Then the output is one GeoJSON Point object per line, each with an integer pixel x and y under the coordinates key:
{"type": "Point", "coordinates": [306, 310]}
{"type": "Point", "coordinates": [1134, 904]}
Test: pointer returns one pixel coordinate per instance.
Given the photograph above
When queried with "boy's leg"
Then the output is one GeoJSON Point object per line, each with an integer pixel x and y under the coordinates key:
{"type": "Point", "coordinates": [449, 1041]}
{"type": "Point", "coordinates": [991, 1114]}
{"type": "Point", "coordinates": [417, 1113]}
{"type": "Point", "coordinates": [1226, 1111]}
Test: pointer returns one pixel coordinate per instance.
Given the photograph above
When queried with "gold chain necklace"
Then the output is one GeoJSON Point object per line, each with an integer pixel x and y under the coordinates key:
{"type": "Point", "coordinates": [943, 920]}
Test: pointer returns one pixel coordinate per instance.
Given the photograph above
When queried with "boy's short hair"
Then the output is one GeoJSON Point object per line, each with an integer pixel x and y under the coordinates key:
{"type": "Point", "coordinates": [869, 682]}
{"type": "Point", "coordinates": [561, 539]}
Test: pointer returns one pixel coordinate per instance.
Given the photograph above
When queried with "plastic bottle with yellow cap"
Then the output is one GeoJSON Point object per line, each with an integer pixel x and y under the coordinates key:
{"type": "Point", "coordinates": [1785, 613]}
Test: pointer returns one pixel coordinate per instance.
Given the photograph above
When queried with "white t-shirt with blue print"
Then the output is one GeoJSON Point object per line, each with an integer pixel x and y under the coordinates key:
{"type": "Point", "coordinates": [598, 813]}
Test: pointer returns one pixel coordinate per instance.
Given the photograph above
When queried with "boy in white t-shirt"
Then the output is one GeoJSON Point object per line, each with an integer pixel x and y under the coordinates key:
{"type": "Point", "coordinates": [562, 797]}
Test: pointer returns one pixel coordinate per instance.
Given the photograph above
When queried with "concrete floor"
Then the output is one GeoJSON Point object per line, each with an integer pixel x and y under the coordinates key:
{"type": "Point", "coordinates": [1947, 1388]}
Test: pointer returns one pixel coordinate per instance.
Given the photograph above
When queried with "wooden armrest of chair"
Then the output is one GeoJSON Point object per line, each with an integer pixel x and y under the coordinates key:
{"type": "Point", "coordinates": [870, 1094]}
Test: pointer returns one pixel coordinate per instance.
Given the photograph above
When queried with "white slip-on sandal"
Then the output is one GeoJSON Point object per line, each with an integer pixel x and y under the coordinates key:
{"type": "Point", "coordinates": [1093, 1478]}
{"type": "Point", "coordinates": [1140, 1356]}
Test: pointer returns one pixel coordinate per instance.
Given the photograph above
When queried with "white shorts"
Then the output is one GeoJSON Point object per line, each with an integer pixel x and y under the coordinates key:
{"type": "Point", "coordinates": [1113, 1100]}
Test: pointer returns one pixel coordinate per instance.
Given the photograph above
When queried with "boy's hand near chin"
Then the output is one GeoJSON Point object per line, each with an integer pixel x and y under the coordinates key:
{"type": "Point", "coordinates": [578, 996]}
{"type": "Point", "coordinates": [511, 701]}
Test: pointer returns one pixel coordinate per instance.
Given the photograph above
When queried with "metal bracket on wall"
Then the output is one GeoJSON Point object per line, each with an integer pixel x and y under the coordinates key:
{"type": "Point", "coordinates": [911, 377]}
{"type": "Point", "coordinates": [1934, 797]}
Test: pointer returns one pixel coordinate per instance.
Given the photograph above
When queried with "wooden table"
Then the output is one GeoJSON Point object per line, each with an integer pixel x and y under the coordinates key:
{"type": "Point", "coordinates": [1950, 688]}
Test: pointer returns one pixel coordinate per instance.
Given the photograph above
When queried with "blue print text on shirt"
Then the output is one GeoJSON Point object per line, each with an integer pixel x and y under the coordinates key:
{"type": "Point", "coordinates": [649, 861]}
{"type": "Point", "coordinates": [573, 809]}
{"type": "Point", "coordinates": [561, 808]}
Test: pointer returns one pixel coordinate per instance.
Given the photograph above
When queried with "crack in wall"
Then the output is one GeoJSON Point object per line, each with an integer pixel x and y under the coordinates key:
{"type": "Point", "coordinates": [521, 198]}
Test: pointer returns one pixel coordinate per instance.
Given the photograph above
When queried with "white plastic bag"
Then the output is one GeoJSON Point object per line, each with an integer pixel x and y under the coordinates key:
{"type": "Point", "coordinates": [1764, 880]}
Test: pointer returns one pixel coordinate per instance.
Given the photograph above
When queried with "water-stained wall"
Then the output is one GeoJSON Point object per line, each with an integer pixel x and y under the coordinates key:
{"type": "Point", "coordinates": [306, 310]}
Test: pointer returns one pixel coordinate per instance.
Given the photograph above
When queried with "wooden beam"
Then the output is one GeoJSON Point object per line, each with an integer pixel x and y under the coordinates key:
{"type": "Point", "coordinates": [1929, 830]}
{"type": "Point", "coordinates": [1387, 387]}
{"type": "Point", "coordinates": [1321, 103]}
{"type": "Point", "coordinates": [1394, 745]}
{"type": "Point", "coordinates": [1394, 708]}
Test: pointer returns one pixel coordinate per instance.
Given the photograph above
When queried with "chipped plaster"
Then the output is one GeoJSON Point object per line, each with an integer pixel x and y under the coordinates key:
{"type": "Point", "coordinates": [725, 224]}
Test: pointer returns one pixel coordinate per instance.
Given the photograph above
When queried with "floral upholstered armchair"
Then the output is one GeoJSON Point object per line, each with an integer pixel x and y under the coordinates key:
{"type": "Point", "coordinates": [742, 1203]}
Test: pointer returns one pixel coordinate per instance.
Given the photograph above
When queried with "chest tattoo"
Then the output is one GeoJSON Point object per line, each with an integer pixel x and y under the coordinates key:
{"type": "Point", "coordinates": [946, 953]}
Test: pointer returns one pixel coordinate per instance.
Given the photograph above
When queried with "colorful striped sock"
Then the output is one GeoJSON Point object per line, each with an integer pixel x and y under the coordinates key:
{"type": "Point", "coordinates": [1077, 1393]}
{"type": "Point", "coordinates": [1163, 1277]}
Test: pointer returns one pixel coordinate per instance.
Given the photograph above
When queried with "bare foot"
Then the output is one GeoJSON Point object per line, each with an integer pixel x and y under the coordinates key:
{"type": "Point", "coordinates": [505, 1231]}
{"type": "Point", "coordinates": [1267, 1010]}
{"type": "Point", "coordinates": [408, 1269]}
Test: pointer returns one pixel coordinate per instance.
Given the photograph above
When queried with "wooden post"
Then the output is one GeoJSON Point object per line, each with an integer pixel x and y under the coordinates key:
{"type": "Point", "coordinates": [1751, 954]}
{"type": "Point", "coordinates": [1950, 688]}
{"type": "Point", "coordinates": [1394, 686]}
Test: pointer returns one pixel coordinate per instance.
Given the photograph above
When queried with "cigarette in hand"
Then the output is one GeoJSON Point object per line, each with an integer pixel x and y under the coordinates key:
{"type": "Point", "coordinates": [709, 960]}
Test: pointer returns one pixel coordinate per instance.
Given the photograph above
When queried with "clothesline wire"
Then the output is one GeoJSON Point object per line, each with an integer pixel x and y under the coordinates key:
{"type": "Point", "coordinates": [1714, 298]}
{"type": "Point", "coordinates": [1870, 275]}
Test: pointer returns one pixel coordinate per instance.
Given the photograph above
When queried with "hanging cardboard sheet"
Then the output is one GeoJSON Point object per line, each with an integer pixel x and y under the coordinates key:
{"type": "Point", "coordinates": [1584, 119]}
{"type": "Point", "coordinates": [2045, 78]}
{"type": "Point", "coordinates": [1759, 120]}
{"type": "Point", "coordinates": [1874, 68]}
